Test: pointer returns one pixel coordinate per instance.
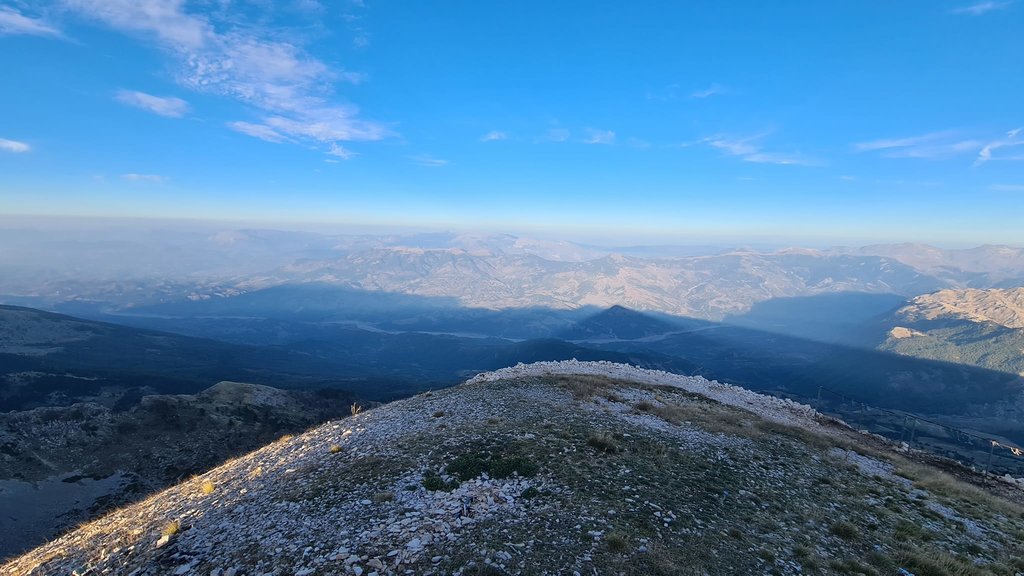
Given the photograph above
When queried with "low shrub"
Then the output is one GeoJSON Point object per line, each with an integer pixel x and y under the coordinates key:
{"type": "Point", "coordinates": [603, 442]}
{"type": "Point", "coordinates": [844, 530]}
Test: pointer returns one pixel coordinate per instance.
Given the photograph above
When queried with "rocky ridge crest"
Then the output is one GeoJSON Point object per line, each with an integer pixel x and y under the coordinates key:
{"type": "Point", "coordinates": [558, 468]}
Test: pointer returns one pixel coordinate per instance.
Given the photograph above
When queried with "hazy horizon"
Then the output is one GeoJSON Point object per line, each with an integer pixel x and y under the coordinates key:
{"type": "Point", "coordinates": [604, 239]}
{"type": "Point", "coordinates": [801, 124]}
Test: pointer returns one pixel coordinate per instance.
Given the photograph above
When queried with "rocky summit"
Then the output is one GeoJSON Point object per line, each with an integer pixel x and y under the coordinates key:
{"type": "Point", "coordinates": [564, 468]}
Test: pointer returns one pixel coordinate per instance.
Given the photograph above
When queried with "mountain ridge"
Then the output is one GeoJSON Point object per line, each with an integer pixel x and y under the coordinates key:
{"type": "Point", "coordinates": [553, 468]}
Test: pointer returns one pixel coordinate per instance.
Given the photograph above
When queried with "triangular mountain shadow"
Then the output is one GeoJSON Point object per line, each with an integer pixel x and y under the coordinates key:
{"type": "Point", "coordinates": [621, 323]}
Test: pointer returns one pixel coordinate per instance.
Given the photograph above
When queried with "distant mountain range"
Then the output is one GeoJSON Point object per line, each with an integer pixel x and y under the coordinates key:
{"type": "Point", "coordinates": [162, 271]}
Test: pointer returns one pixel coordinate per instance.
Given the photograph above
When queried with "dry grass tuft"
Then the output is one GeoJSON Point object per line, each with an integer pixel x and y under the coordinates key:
{"type": "Point", "coordinates": [934, 562]}
{"type": "Point", "coordinates": [383, 496]}
{"type": "Point", "coordinates": [603, 442]}
{"type": "Point", "coordinates": [585, 387]}
{"type": "Point", "coordinates": [844, 530]}
{"type": "Point", "coordinates": [207, 487]}
{"type": "Point", "coordinates": [171, 528]}
{"type": "Point", "coordinates": [943, 484]}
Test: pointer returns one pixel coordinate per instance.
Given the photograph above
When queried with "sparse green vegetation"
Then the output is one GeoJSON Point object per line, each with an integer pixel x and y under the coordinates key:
{"type": "Point", "coordinates": [616, 542]}
{"type": "Point", "coordinates": [469, 466]}
{"type": "Point", "coordinates": [335, 448]}
{"type": "Point", "coordinates": [208, 487]}
{"type": "Point", "coordinates": [434, 482]}
{"type": "Point", "coordinates": [761, 499]}
{"type": "Point", "coordinates": [603, 442]}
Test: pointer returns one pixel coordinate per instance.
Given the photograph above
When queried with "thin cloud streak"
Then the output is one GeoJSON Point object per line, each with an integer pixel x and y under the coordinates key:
{"type": "Point", "coordinates": [930, 146]}
{"type": "Point", "coordinates": [713, 90]}
{"type": "Point", "coordinates": [132, 177]}
{"type": "Point", "coordinates": [888, 143]}
{"type": "Point", "coordinates": [944, 145]}
{"type": "Point", "coordinates": [981, 8]}
{"type": "Point", "coordinates": [749, 149]}
{"type": "Point", "coordinates": [260, 131]}
{"type": "Point", "coordinates": [14, 146]}
{"type": "Point", "coordinates": [168, 106]}
{"type": "Point", "coordinates": [428, 161]}
{"type": "Point", "coordinates": [13, 23]}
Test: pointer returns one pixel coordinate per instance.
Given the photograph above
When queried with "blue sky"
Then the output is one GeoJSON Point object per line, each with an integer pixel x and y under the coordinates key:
{"type": "Point", "coordinates": [814, 122]}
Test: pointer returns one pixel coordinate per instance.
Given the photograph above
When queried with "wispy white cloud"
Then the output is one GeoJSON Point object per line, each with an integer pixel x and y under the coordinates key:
{"type": "Point", "coordinates": [1008, 187]}
{"type": "Point", "coordinates": [944, 145]}
{"type": "Point", "coordinates": [931, 146]}
{"type": "Point", "coordinates": [599, 136]}
{"type": "Point", "coordinates": [260, 131]}
{"type": "Point", "coordinates": [557, 135]}
{"type": "Point", "coordinates": [712, 90]}
{"type": "Point", "coordinates": [634, 142]}
{"type": "Point", "coordinates": [291, 89]}
{"type": "Point", "coordinates": [981, 8]}
{"type": "Point", "coordinates": [735, 146]}
{"type": "Point", "coordinates": [749, 149]}
{"type": "Point", "coordinates": [427, 160]}
{"type": "Point", "coordinates": [132, 177]}
{"type": "Point", "coordinates": [675, 91]}
{"type": "Point", "coordinates": [907, 142]}
{"type": "Point", "coordinates": [13, 146]}
{"type": "Point", "coordinates": [780, 158]}
{"type": "Point", "coordinates": [1010, 140]}
{"type": "Point", "coordinates": [341, 152]}
{"type": "Point", "coordinates": [169, 106]}
{"type": "Point", "coordinates": [494, 135]}
{"type": "Point", "coordinates": [14, 22]}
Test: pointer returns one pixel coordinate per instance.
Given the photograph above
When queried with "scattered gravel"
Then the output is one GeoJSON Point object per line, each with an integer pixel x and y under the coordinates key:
{"type": "Point", "coordinates": [587, 486]}
{"type": "Point", "coordinates": [780, 410]}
